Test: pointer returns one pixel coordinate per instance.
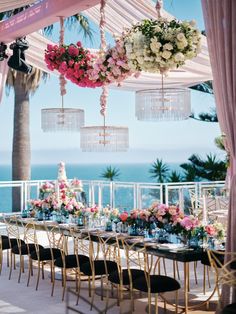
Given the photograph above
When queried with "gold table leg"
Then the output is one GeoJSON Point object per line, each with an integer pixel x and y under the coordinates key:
{"type": "Point", "coordinates": [186, 286]}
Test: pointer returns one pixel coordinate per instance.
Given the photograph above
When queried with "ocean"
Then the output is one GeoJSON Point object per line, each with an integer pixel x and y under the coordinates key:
{"type": "Point", "coordinates": [128, 173]}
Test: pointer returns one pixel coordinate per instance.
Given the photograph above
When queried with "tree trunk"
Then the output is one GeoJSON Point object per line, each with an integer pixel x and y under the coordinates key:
{"type": "Point", "coordinates": [21, 169]}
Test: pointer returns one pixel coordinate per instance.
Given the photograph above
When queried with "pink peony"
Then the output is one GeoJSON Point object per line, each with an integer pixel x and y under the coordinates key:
{"type": "Point", "coordinates": [124, 216]}
{"type": "Point", "coordinates": [210, 230]}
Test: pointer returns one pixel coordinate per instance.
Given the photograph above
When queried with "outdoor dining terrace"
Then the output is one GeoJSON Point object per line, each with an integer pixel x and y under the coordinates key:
{"type": "Point", "coordinates": [113, 221]}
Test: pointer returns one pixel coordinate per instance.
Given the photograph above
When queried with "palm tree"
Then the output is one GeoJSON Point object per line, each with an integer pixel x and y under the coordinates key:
{"type": "Point", "coordinates": [23, 86]}
{"type": "Point", "coordinates": [175, 176]}
{"type": "Point", "coordinates": [159, 171]}
{"type": "Point", "coordinates": [111, 173]}
{"type": "Point", "coordinates": [190, 174]}
{"type": "Point", "coordinates": [210, 169]}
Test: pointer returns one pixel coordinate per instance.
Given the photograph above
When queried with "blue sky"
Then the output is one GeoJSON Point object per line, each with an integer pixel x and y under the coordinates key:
{"type": "Point", "coordinates": [172, 141]}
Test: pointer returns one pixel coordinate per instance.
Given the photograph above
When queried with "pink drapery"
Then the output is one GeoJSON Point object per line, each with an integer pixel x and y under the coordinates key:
{"type": "Point", "coordinates": [220, 22]}
{"type": "Point", "coordinates": [3, 76]}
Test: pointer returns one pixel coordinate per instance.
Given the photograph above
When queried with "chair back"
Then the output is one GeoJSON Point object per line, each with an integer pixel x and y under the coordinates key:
{"type": "Point", "coordinates": [224, 264]}
{"type": "Point", "coordinates": [56, 238]}
{"type": "Point", "coordinates": [135, 256]}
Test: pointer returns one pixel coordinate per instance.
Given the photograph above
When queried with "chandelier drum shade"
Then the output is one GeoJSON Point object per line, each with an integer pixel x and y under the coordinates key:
{"type": "Point", "coordinates": [163, 104]}
{"type": "Point", "coordinates": [62, 119]}
{"type": "Point", "coordinates": [104, 138]}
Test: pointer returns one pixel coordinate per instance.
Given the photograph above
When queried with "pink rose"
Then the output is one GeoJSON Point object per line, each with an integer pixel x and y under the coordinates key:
{"type": "Point", "coordinates": [210, 230]}
{"type": "Point", "coordinates": [124, 216]}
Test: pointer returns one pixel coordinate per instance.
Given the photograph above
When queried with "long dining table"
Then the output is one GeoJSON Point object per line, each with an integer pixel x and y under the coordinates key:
{"type": "Point", "coordinates": [184, 256]}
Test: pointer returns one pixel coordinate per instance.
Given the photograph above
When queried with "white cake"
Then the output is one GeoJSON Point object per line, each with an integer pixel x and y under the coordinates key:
{"type": "Point", "coordinates": [61, 172]}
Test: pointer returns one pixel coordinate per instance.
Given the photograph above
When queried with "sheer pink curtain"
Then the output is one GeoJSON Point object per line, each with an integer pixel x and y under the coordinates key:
{"type": "Point", "coordinates": [3, 76]}
{"type": "Point", "coordinates": [220, 22]}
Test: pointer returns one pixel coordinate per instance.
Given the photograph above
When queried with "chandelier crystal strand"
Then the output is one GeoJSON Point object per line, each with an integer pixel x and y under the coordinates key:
{"type": "Point", "coordinates": [62, 119]}
{"type": "Point", "coordinates": [104, 138]}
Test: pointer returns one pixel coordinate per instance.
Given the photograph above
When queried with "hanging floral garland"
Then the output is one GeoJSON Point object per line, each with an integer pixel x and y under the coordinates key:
{"type": "Point", "coordinates": [159, 45]}
{"type": "Point", "coordinates": [73, 61]}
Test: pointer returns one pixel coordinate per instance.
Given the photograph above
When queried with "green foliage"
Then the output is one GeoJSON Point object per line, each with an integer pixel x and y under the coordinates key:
{"type": "Point", "coordinates": [190, 174]}
{"type": "Point", "coordinates": [175, 176]}
{"type": "Point", "coordinates": [210, 169]}
{"type": "Point", "coordinates": [159, 171]}
{"type": "Point", "coordinates": [219, 141]}
{"type": "Point", "coordinates": [111, 173]}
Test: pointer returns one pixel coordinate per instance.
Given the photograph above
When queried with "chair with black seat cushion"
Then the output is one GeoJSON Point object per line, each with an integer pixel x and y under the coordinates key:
{"type": "Point", "coordinates": [30, 245]}
{"type": "Point", "coordinates": [49, 253]}
{"type": "Point", "coordinates": [147, 281]}
{"type": "Point", "coordinates": [71, 261]}
{"type": "Point", "coordinates": [229, 309]}
{"type": "Point", "coordinates": [15, 235]}
{"type": "Point", "coordinates": [121, 277]}
{"type": "Point", "coordinates": [100, 261]}
{"type": "Point", "coordinates": [224, 266]}
{"type": "Point", "coordinates": [2, 238]}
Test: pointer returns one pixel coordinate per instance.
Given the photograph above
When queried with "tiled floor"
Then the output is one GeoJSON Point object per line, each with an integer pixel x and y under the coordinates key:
{"type": "Point", "coordinates": [18, 298]}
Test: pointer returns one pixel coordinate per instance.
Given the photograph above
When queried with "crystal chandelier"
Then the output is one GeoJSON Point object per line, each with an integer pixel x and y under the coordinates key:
{"type": "Point", "coordinates": [62, 119]}
{"type": "Point", "coordinates": [165, 104]}
{"type": "Point", "coordinates": [105, 138]}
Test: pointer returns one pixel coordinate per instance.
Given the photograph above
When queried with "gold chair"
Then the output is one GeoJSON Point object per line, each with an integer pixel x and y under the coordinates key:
{"type": "Point", "coordinates": [97, 266]}
{"type": "Point", "coordinates": [71, 261]}
{"type": "Point", "coordinates": [224, 265]}
{"type": "Point", "coordinates": [14, 240]}
{"type": "Point", "coordinates": [147, 282]}
{"type": "Point", "coordinates": [49, 253]}
{"type": "Point", "coordinates": [30, 245]}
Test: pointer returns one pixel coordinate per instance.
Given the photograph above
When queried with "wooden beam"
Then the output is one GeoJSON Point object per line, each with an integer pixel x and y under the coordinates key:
{"type": "Point", "coordinates": [40, 15]}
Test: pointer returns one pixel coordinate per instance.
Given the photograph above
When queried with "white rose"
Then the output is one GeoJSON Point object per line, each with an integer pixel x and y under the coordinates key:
{"type": "Point", "coordinates": [179, 57]}
{"type": "Point", "coordinates": [157, 29]}
{"type": "Point", "coordinates": [140, 60]}
{"type": "Point", "coordinates": [181, 37]}
{"type": "Point", "coordinates": [168, 46]}
{"type": "Point", "coordinates": [180, 45]}
{"type": "Point", "coordinates": [166, 54]}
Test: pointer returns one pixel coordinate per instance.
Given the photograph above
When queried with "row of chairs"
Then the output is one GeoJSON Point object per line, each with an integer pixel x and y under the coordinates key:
{"type": "Point", "coordinates": [119, 262]}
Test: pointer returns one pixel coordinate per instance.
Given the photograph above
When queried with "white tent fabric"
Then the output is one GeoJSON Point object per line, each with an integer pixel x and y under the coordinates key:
{"type": "Point", "coordinates": [6, 5]}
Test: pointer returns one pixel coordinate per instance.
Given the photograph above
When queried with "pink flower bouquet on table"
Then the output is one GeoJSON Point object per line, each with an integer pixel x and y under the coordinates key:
{"type": "Point", "coordinates": [46, 188]}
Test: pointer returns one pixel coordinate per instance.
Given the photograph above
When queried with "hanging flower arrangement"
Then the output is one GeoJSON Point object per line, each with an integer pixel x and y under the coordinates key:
{"type": "Point", "coordinates": [72, 61]}
{"type": "Point", "coordinates": [111, 66]}
{"type": "Point", "coordinates": [160, 45]}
